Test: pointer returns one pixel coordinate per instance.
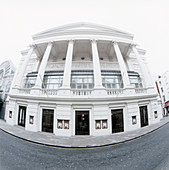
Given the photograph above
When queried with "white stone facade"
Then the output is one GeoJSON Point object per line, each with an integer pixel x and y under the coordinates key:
{"type": "Point", "coordinates": [163, 90]}
{"type": "Point", "coordinates": [83, 79]}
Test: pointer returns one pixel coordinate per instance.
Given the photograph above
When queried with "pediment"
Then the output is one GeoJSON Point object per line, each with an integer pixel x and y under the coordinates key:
{"type": "Point", "coordinates": [82, 27]}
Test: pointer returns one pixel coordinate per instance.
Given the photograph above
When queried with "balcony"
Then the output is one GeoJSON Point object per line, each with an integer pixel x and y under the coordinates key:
{"type": "Point", "coordinates": [85, 92]}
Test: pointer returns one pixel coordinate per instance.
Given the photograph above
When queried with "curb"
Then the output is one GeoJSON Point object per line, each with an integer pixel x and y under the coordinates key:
{"type": "Point", "coordinates": [83, 147]}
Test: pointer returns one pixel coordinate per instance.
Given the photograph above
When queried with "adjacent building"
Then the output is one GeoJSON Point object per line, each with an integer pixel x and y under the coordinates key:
{"type": "Point", "coordinates": [163, 89]}
{"type": "Point", "coordinates": [83, 79]}
{"type": "Point", "coordinates": [7, 71]}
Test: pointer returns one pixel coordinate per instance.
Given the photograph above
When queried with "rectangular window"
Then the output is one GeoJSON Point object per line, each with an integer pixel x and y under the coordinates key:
{"type": "Point", "coordinates": [98, 124]}
{"type": "Point", "coordinates": [60, 124]}
{"type": "Point", "coordinates": [31, 119]}
{"type": "Point", "coordinates": [63, 124]}
{"type": "Point", "coordinates": [82, 80]}
{"type": "Point", "coordinates": [30, 82]}
{"type": "Point", "coordinates": [104, 124]}
{"type": "Point", "coordinates": [111, 79]}
{"type": "Point", "coordinates": [135, 81]}
{"type": "Point", "coordinates": [66, 124]}
{"type": "Point", "coordinates": [155, 114]}
{"type": "Point", "coordinates": [134, 120]}
{"type": "Point", "coordinates": [52, 82]}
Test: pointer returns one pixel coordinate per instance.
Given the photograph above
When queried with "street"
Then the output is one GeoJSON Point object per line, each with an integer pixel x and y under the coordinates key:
{"type": "Point", "coordinates": [146, 153]}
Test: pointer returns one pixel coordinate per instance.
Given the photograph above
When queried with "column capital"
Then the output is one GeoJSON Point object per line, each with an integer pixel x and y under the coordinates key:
{"type": "Point", "coordinates": [133, 45]}
{"type": "Point", "coordinates": [32, 45]}
{"type": "Point", "coordinates": [51, 43]}
{"type": "Point", "coordinates": [115, 42]}
{"type": "Point", "coordinates": [94, 41]}
{"type": "Point", "coordinates": [71, 41]}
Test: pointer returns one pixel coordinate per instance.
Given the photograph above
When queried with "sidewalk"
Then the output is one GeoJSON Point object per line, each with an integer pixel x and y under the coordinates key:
{"type": "Point", "coordinates": [78, 141]}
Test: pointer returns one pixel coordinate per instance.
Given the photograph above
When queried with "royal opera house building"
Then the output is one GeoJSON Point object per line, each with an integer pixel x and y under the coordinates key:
{"type": "Point", "coordinates": [83, 79]}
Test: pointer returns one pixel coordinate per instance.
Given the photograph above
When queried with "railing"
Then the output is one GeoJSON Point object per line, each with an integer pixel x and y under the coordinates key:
{"type": "Point", "coordinates": [81, 92]}
{"type": "Point", "coordinates": [115, 92]}
{"type": "Point", "coordinates": [140, 90]}
{"type": "Point", "coordinates": [84, 92]}
{"type": "Point", "coordinates": [49, 92]}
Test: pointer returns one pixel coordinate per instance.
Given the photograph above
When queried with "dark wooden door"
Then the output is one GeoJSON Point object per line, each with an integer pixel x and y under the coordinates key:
{"type": "Point", "coordinates": [82, 123]}
{"type": "Point", "coordinates": [117, 121]}
{"type": "Point", "coordinates": [143, 116]}
{"type": "Point", "coordinates": [22, 116]}
{"type": "Point", "coordinates": [47, 120]}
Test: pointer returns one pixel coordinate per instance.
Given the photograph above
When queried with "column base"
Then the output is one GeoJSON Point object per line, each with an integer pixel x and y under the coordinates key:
{"type": "Point", "coordinates": [99, 91]}
{"type": "Point", "coordinates": [129, 90]}
{"type": "Point", "coordinates": [35, 91]}
{"type": "Point", "coordinates": [62, 91]}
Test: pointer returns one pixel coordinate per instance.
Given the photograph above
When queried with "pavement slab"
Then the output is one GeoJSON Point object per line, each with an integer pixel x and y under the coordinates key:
{"type": "Point", "coordinates": [79, 141]}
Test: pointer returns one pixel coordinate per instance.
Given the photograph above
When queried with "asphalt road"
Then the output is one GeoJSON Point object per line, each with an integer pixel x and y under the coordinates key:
{"type": "Point", "coordinates": [146, 153]}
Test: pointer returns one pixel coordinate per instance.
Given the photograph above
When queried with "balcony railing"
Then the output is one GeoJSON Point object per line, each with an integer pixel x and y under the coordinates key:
{"type": "Point", "coordinates": [49, 92]}
{"type": "Point", "coordinates": [82, 92]}
{"type": "Point", "coordinates": [140, 90]}
{"type": "Point", "coordinates": [115, 92]}
{"type": "Point", "coordinates": [85, 92]}
{"type": "Point", "coordinates": [25, 91]}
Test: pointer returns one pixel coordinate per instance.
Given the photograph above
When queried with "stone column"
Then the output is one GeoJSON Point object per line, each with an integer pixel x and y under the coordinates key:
{"type": "Point", "coordinates": [146, 77]}
{"type": "Point", "coordinates": [41, 71]}
{"type": "Point", "coordinates": [96, 66]}
{"type": "Point", "coordinates": [68, 65]}
{"type": "Point", "coordinates": [124, 74]}
{"type": "Point", "coordinates": [18, 79]}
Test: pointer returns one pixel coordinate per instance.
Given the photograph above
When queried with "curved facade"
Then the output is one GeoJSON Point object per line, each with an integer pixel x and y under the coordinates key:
{"type": "Point", "coordinates": [83, 79]}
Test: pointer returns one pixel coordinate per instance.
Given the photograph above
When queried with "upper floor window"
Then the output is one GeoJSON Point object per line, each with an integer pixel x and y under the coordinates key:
{"type": "Point", "coordinates": [30, 82]}
{"type": "Point", "coordinates": [112, 79]}
{"type": "Point", "coordinates": [135, 82]}
{"type": "Point", "coordinates": [52, 82]}
{"type": "Point", "coordinates": [82, 80]}
{"type": "Point", "coordinates": [162, 89]}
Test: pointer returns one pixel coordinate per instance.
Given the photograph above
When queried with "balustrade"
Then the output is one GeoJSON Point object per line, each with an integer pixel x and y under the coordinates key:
{"type": "Point", "coordinates": [140, 90]}
{"type": "Point", "coordinates": [49, 92]}
{"type": "Point", "coordinates": [24, 90]}
{"type": "Point", "coordinates": [81, 92]}
{"type": "Point", "coordinates": [115, 92]}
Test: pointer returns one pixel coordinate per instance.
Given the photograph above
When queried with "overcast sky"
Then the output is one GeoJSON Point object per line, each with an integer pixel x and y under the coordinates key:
{"type": "Point", "coordinates": [148, 20]}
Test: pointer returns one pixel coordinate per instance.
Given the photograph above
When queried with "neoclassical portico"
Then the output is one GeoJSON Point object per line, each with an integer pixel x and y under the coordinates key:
{"type": "Point", "coordinates": [96, 62]}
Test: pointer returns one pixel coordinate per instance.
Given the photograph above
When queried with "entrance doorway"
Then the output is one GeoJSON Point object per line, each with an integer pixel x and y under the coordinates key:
{"type": "Point", "coordinates": [117, 120]}
{"type": "Point", "coordinates": [22, 116]}
{"type": "Point", "coordinates": [82, 123]}
{"type": "Point", "coordinates": [47, 120]}
{"type": "Point", "coordinates": [143, 116]}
